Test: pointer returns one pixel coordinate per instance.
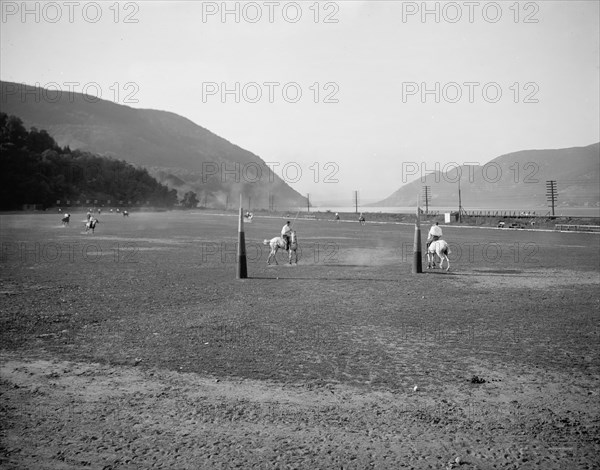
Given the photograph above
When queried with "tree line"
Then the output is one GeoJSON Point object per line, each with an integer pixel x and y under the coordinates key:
{"type": "Point", "coordinates": [34, 169]}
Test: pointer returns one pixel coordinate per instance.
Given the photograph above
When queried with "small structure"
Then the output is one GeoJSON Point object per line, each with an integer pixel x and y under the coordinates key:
{"type": "Point", "coordinates": [450, 217]}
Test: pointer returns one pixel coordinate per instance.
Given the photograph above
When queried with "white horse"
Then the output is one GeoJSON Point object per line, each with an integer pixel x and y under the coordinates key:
{"type": "Point", "coordinates": [440, 248]}
{"type": "Point", "coordinates": [278, 242]}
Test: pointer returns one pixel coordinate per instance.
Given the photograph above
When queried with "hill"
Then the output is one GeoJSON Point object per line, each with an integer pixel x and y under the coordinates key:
{"type": "Point", "coordinates": [176, 151]}
{"type": "Point", "coordinates": [515, 180]}
{"type": "Point", "coordinates": [35, 171]}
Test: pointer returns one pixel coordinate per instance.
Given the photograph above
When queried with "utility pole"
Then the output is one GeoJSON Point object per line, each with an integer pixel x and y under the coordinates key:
{"type": "Point", "coordinates": [551, 193]}
{"type": "Point", "coordinates": [427, 193]}
{"type": "Point", "coordinates": [356, 202]}
{"type": "Point", "coordinates": [460, 209]}
{"type": "Point", "coordinates": [307, 202]}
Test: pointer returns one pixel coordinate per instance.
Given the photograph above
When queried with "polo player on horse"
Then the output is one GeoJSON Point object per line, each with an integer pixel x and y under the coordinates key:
{"type": "Point", "coordinates": [286, 234]}
{"type": "Point", "coordinates": [435, 234]}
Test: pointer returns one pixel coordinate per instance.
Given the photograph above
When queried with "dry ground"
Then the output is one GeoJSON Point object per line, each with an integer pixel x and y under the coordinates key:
{"type": "Point", "coordinates": [136, 347]}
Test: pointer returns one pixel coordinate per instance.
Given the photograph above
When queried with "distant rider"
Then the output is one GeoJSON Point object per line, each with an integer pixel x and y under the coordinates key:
{"type": "Point", "coordinates": [286, 234]}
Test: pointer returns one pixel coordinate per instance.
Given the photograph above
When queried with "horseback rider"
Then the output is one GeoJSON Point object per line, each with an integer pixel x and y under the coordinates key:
{"type": "Point", "coordinates": [286, 234]}
{"type": "Point", "coordinates": [435, 233]}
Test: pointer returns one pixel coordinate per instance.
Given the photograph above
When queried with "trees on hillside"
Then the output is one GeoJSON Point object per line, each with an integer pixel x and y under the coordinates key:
{"type": "Point", "coordinates": [35, 170]}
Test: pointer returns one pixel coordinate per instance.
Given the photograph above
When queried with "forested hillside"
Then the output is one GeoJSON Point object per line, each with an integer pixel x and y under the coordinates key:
{"type": "Point", "coordinates": [34, 169]}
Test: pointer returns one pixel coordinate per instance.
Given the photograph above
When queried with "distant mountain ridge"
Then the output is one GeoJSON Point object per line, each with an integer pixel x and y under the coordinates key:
{"type": "Point", "coordinates": [514, 180]}
{"type": "Point", "coordinates": [176, 151]}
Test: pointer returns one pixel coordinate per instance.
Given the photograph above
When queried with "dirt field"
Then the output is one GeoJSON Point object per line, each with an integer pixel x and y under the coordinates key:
{"type": "Point", "coordinates": [136, 347]}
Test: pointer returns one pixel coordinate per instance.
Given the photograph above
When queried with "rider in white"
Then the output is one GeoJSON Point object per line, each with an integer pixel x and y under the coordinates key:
{"type": "Point", "coordinates": [435, 233]}
{"type": "Point", "coordinates": [285, 233]}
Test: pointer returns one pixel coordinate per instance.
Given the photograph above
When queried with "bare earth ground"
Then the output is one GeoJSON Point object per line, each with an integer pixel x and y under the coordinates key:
{"type": "Point", "coordinates": [137, 348]}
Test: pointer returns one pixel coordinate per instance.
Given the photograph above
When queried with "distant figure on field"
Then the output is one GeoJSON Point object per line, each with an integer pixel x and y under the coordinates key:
{"type": "Point", "coordinates": [89, 215]}
{"type": "Point", "coordinates": [91, 225]}
{"type": "Point", "coordinates": [337, 217]}
{"type": "Point", "coordinates": [125, 214]}
{"type": "Point", "coordinates": [285, 234]}
{"type": "Point", "coordinates": [361, 219]}
{"type": "Point", "coordinates": [65, 220]}
{"type": "Point", "coordinates": [435, 233]}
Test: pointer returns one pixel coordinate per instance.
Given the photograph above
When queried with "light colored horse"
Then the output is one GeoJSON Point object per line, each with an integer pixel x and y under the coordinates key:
{"type": "Point", "coordinates": [440, 248]}
{"type": "Point", "coordinates": [278, 242]}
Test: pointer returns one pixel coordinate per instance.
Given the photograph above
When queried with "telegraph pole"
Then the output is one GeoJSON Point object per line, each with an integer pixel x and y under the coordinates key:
{"type": "Point", "coordinates": [427, 192]}
{"type": "Point", "coordinates": [307, 202]}
{"type": "Point", "coordinates": [551, 193]}
{"type": "Point", "coordinates": [356, 202]}
{"type": "Point", "coordinates": [271, 202]}
{"type": "Point", "coordinates": [460, 209]}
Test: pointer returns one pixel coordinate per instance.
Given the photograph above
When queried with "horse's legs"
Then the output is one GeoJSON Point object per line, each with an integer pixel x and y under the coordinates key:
{"type": "Point", "coordinates": [443, 257]}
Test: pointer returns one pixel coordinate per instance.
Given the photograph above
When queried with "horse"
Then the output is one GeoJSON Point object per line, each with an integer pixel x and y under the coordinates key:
{"type": "Point", "coordinates": [278, 242]}
{"type": "Point", "coordinates": [91, 225]}
{"type": "Point", "coordinates": [65, 220]}
{"type": "Point", "coordinates": [125, 214]}
{"type": "Point", "coordinates": [440, 248]}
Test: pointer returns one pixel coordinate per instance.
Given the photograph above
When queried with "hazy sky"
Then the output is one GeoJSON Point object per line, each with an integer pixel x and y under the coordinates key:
{"type": "Point", "coordinates": [506, 76]}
